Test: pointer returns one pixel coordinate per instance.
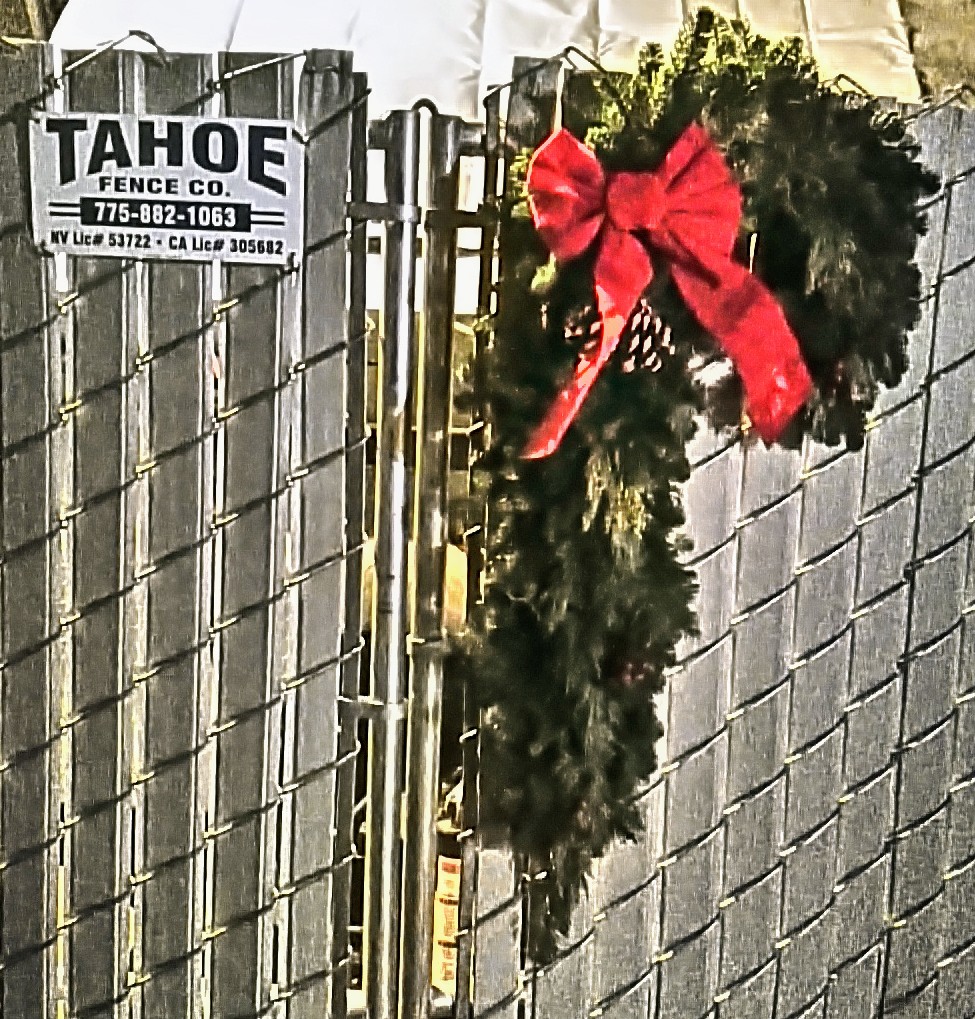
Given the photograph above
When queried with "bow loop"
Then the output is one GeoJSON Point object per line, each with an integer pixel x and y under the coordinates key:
{"type": "Point", "coordinates": [688, 210]}
{"type": "Point", "coordinates": [567, 194]}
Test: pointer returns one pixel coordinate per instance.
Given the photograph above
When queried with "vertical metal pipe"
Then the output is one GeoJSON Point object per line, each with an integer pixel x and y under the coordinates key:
{"type": "Point", "coordinates": [386, 733]}
{"type": "Point", "coordinates": [430, 533]}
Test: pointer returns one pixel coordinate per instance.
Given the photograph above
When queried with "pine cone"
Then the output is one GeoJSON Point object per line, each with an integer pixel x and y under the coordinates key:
{"type": "Point", "coordinates": [646, 341]}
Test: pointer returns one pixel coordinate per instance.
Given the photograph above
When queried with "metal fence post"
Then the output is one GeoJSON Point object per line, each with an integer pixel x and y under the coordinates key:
{"type": "Point", "coordinates": [430, 530]}
{"type": "Point", "coordinates": [399, 136]}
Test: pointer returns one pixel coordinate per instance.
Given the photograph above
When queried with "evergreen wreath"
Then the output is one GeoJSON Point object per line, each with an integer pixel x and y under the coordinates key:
{"type": "Point", "coordinates": [586, 594]}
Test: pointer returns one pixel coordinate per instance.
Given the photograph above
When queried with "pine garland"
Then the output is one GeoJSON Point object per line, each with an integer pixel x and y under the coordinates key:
{"type": "Point", "coordinates": [587, 596]}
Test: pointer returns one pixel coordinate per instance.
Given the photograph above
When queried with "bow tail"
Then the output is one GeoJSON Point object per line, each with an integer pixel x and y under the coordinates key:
{"type": "Point", "coordinates": [621, 273]}
{"type": "Point", "coordinates": [748, 323]}
{"type": "Point", "coordinates": [565, 407]}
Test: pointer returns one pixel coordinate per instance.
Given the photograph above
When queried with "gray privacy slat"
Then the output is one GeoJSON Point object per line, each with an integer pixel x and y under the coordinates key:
{"type": "Point", "coordinates": [248, 723]}
{"type": "Point", "coordinates": [713, 603]}
{"type": "Point", "coordinates": [711, 500]}
{"type": "Point", "coordinates": [563, 987]}
{"type": "Point", "coordinates": [936, 133]}
{"type": "Point", "coordinates": [98, 843]}
{"type": "Point", "coordinates": [497, 928]}
{"type": "Point", "coordinates": [859, 910]}
{"type": "Point", "coordinates": [754, 831]}
{"type": "Point", "coordinates": [931, 682]}
{"type": "Point", "coordinates": [28, 924]}
{"type": "Point", "coordinates": [925, 775]}
{"type": "Point", "coordinates": [957, 281]}
{"type": "Point", "coordinates": [697, 866]}
{"type": "Point", "coordinates": [966, 663]}
{"type": "Point", "coordinates": [688, 979]}
{"type": "Point", "coordinates": [755, 996]}
{"type": "Point", "coordinates": [872, 732]}
{"type": "Point", "coordinates": [27, 514]}
{"type": "Point", "coordinates": [885, 548]}
{"type": "Point", "coordinates": [758, 738]}
{"type": "Point", "coordinates": [817, 1010]}
{"type": "Point", "coordinates": [320, 510]}
{"type": "Point", "coordinates": [529, 118]}
{"type": "Point", "coordinates": [803, 971]}
{"type": "Point", "coordinates": [353, 663]}
{"type": "Point", "coordinates": [963, 768]}
{"type": "Point", "coordinates": [936, 588]}
{"type": "Point", "coordinates": [177, 490]}
{"type": "Point", "coordinates": [853, 993]}
{"type": "Point", "coordinates": [695, 794]}
{"type": "Point", "coordinates": [814, 784]}
{"type": "Point", "coordinates": [830, 504]}
{"type": "Point", "coordinates": [864, 825]}
{"type": "Point", "coordinates": [28, 703]}
{"type": "Point", "coordinates": [767, 550]}
{"type": "Point", "coordinates": [914, 950]}
{"type": "Point", "coordinates": [810, 873]}
{"type": "Point", "coordinates": [959, 898]}
{"type": "Point", "coordinates": [763, 648]}
{"type": "Point", "coordinates": [635, 1003]}
{"type": "Point", "coordinates": [625, 942]}
{"type": "Point", "coordinates": [819, 692]}
{"type": "Point", "coordinates": [824, 599]}
{"type": "Point", "coordinates": [750, 928]}
{"type": "Point", "coordinates": [938, 592]}
{"type": "Point", "coordinates": [23, 307]}
{"type": "Point", "coordinates": [952, 418]}
{"type": "Point", "coordinates": [769, 474]}
{"type": "Point", "coordinates": [965, 716]}
{"type": "Point", "coordinates": [699, 695]}
{"type": "Point", "coordinates": [918, 874]}
{"type": "Point", "coordinates": [875, 656]}
{"type": "Point", "coordinates": [946, 502]}
{"type": "Point", "coordinates": [955, 983]}
{"type": "Point", "coordinates": [626, 874]}
{"type": "Point", "coordinates": [893, 452]}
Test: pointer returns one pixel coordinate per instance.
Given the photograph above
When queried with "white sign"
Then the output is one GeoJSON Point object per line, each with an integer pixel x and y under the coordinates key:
{"type": "Point", "coordinates": [187, 188]}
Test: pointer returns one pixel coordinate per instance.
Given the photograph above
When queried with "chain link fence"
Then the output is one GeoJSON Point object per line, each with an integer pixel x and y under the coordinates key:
{"type": "Point", "coordinates": [810, 846]}
{"type": "Point", "coordinates": [181, 617]}
{"type": "Point", "coordinates": [188, 824]}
